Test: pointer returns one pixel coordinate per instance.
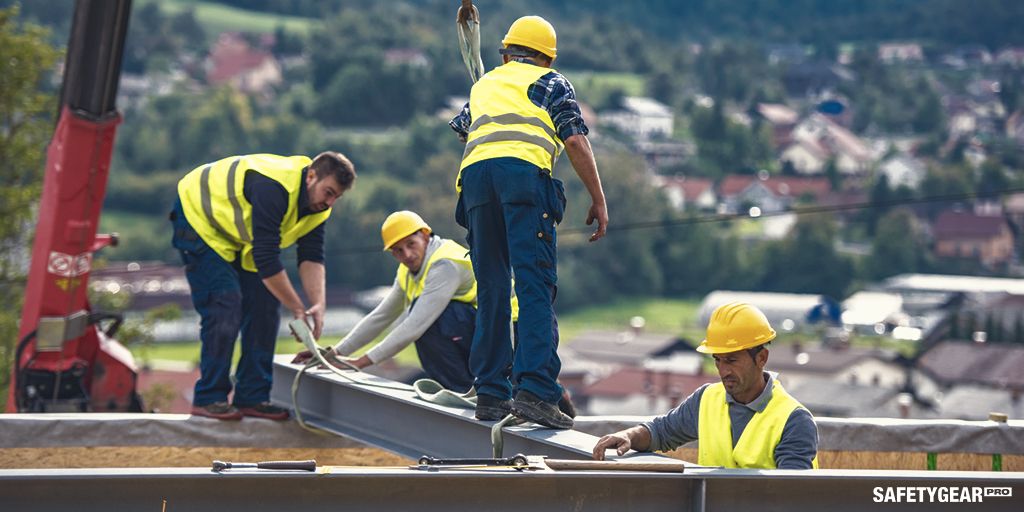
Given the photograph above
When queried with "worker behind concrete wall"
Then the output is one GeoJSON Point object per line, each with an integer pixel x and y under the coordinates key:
{"type": "Point", "coordinates": [231, 219]}
{"type": "Point", "coordinates": [519, 118]}
{"type": "Point", "coordinates": [747, 420]}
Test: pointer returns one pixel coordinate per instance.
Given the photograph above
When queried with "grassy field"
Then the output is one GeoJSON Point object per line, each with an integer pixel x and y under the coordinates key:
{"type": "Point", "coordinates": [597, 87]}
{"type": "Point", "coordinates": [217, 18]}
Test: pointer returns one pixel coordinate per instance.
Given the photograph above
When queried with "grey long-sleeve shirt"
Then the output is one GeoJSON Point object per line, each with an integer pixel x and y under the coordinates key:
{"type": "Point", "coordinates": [796, 449]}
{"type": "Point", "coordinates": [445, 281]}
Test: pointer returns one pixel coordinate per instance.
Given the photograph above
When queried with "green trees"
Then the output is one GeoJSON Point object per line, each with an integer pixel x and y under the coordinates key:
{"type": "Point", "coordinates": [806, 261]}
{"type": "Point", "coordinates": [897, 247]}
{"type": "Point", "coordinates": [25, 127]}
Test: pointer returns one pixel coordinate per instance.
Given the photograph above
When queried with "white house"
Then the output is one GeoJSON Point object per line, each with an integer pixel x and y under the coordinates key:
{"type": "Point", "coordinates": [642, 118]}
{"type": "Point", "coordinates": [903, 170]}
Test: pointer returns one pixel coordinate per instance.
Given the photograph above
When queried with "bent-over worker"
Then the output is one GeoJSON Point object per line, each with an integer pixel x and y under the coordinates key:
{"type": "Point", "coordinates": [231, 219]}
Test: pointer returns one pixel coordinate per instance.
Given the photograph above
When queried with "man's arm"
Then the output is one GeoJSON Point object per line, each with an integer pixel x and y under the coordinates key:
{"type": "Point", "coordinates": [439, 288]}
{"type": "Point", "coordinates": [371, 325]}
{"type": "Point", "coordinates": [313, 277]}
{"type": "Point", "coordinates": [281, 287]}
{"type": "Point", "coordinates": [636, 438]}
{"type": "Point", "coordinates": [582, 157]}
{"type": "Point", "coordinates": [668, 432]}
{"type": "Point", "coordinates": [799, 443]}
{"type": "Point", "coordinates": [461, 123]}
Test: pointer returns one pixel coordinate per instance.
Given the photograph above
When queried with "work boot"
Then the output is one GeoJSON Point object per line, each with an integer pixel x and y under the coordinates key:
{"type": "Point", "coordinates": [529, 407]}
{"type": "Point", "coordinates": [217, 410]}
{"type": "Point", "coordinates": [490, 408]}
{"type": "Point", "coordinates": [566, 405]}
{"type": "Point", "coordinates": [264, 410]}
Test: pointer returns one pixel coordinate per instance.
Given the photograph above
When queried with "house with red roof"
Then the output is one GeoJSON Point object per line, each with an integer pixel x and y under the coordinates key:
{"type": "Point", "coordinates": [986, 239]}
{"type": "Point", "coordinates": [234, 61]}
{"type": "Point", "coordinates": [688, 193]}
{"type": "Point", "coordinates": [770, 193]}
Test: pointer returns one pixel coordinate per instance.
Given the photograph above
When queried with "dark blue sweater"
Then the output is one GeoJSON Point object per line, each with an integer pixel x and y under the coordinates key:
{"type": "Point", "coordinates": [269, 202]}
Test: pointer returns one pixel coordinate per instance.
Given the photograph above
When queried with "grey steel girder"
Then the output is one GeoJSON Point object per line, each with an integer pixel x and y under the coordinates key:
{"type": "Point", "coordinates": [401, 423]}
{"type": "Point", "coordinates": [348, 488]}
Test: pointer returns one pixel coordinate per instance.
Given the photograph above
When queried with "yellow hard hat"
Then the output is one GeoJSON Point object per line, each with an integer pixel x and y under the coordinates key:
{"type": "Point", "coordinates": [532, 32]}
{"type": "Point", "coordinates": [399, 225]}
{"type": "Point", "coordinates": [736, 326]}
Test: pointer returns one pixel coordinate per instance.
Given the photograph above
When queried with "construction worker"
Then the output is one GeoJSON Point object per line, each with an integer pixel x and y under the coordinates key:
{"type": "Point", "coordinates": [745, 421]}
{"type": "Point", "coordinates": [231, 219]}
{"type": "Point", "coordinates": [519, 118]}
{"type": "Point", "coordinates": [435, 286]}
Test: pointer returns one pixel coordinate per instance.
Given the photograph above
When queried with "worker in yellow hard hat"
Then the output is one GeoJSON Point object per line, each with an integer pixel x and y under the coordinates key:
{"type": "Point", "coordinates": [520, 117]}
{"type": "Point", "coordinates": [436, 290]}
{"type": "Point", "coordinates": [745, 421]}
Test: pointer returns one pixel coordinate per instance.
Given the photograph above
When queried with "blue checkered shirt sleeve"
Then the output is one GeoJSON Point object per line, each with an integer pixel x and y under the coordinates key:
{"type": "Point", "coordinates": [553, 93]}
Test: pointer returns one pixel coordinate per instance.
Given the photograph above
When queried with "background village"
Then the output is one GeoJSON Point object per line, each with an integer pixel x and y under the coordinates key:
{"type": "Point", "coordinates": [868, 196]}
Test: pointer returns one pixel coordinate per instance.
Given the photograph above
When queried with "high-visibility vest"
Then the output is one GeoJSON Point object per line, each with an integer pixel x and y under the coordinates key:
{"type": "Point", "coordinates": [449, 250]}
{"type": "Point", "coordinates": [756, 446]}
{"type": "Point", "coordinates": [506, 123]}
{"type": "Point", "coordinates": [211, 196]}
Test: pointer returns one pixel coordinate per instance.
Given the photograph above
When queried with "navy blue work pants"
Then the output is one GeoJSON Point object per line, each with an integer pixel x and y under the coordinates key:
{"type": "Point", "coordinates": [444, 347]}
{"type": "Point", "coordinates": [510, 208]}
{"type": "Point", "coordinates": [229, 300]}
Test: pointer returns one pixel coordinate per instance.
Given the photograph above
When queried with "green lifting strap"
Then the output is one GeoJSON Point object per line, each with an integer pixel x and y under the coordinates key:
{"type": "Point", "coordinates": [467, 21]}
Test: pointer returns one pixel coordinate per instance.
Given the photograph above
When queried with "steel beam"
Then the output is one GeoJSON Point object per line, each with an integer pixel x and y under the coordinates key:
{"type": "Point", "coordinates": [336, 488]}
{"type": "Point", "coordinates": [401, 423]}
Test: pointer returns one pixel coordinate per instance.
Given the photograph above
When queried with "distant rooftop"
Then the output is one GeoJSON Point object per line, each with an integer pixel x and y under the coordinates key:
{"type": "Point", "coordinates": [991, 364]}
{"type": "Point", "coordinates": [944, 283]}
{"type": "Point", "coordinates": [646, 106]}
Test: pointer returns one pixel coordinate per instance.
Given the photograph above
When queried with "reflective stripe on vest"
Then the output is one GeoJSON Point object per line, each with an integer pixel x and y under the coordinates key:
{"type": "Point", "coordinates": [756, 446]}
{"type": "Point", "coordinates": [506, 123]}
{"type": "Point", "coordinates": [448, 250]}
{"type": "Point", "coordinates": [215, 205]}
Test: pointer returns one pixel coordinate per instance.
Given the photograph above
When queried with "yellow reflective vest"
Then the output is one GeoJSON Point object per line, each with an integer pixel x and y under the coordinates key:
{"type": "Point", "coordinates": [211, 196]}
{"type": "Point", "coordinates": [756, 446]}
{"type": "Point", "coordinates": [506, 123]}
{"type": "Point", "coordinates": [449, 250]}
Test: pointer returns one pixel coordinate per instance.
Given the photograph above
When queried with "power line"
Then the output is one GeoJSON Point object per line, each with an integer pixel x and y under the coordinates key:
{"type": "Point", "coordinates": [726, 217]}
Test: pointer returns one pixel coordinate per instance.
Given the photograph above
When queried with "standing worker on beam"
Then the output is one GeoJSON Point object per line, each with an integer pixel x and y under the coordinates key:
{"type": "Point", "coordinates": [231, 220]}
{"type": "Point", "coordinates": [519, 118]}
{"type": "Point", "coordinates": [745, 421]}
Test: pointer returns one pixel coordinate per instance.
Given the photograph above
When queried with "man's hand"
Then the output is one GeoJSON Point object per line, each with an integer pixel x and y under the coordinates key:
{"type": "Point", "coordinates": [315, 317]}
{"type": "Point", "coordinates": [618, 441]}
{"type": "Point", "coordinates": [303, 357]}
{"type": "Point", "coordinates": [598, 212]}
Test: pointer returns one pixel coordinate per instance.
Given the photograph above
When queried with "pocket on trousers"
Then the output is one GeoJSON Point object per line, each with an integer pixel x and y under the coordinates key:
{"type": "Point", "coordinates": [556, 200]}
{"type": "Point", "coordinates": [547, 258]}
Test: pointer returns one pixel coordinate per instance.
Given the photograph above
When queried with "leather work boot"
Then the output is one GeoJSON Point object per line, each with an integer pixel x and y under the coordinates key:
{"type": "Point", "coordinates": [217, 410]}
{"type": "Point", "coordinates": [529, 407]}
{"type": "Point", "coordinates": [490, 408]}
{"type": "Point", "coordinates": [566, 405]}
{"type": "Point", "coordinates": [264, 410]}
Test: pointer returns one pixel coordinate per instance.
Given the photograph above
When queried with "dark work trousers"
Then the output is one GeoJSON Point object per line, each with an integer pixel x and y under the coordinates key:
{"type": "Point", "coordinates": [229, 300]}
{"type": "Point", "coordinates": [510, 208]}
{"type": "Point", "coordinates": [444, 347]}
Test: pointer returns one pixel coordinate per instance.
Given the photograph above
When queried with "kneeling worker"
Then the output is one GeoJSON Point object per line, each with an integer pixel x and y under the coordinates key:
{"type": "Point", "coordinates": [436, 286]}
{"type": "Point", "coordinates": [745, 421]}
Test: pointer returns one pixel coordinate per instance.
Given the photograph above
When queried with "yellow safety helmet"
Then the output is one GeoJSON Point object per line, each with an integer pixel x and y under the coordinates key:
{"type": "Point", "coordinates": [736, 326]}
{"type": "Point", "coordinates": [399, 225]}
{"type": "Point", "coordinates": [532, 32]}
